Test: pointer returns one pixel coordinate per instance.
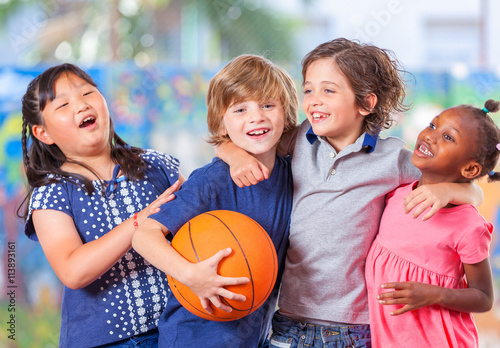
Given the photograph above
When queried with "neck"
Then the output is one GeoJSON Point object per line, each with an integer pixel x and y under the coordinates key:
{"type": "Point", "coordinates": [102, 165]}
{"type": "Point", "coordinates": [341, 142]}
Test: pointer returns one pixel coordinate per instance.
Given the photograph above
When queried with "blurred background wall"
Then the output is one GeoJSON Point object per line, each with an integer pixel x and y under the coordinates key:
{"type": "Point", "coordinates": [153, 59]}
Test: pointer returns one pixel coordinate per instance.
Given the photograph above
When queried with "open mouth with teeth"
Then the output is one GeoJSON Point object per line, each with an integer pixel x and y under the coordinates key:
{"type": "Point", "coordinates": [87, 121]}
{"type": "Point", "coordinates": [425, 151]}
{"type": "Point", "coordinates": [318, 116]}
{"type": "Point", "coordinates": [258, 132]}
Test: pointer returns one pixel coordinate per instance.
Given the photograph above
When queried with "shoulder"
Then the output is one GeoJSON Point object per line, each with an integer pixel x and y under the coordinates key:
{"type": "Point", "coordinates": [391, 145]}
{"type": "Point", "coordinates": [212, 170]}
{"type": "Point", "coordinates": [160, 158]}
{"type": "Point", "coordinates": [57, 196]}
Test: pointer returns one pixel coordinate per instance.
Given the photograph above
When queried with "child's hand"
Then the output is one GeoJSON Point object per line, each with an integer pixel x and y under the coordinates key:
{"type": "Point", "coordinates": [412, 295]}
{"type": "Point", "coordinates": [154, 207]}
{"type": "Point", "coordinates": [247, 172]}
{"type": "Point", "coordinates": [203, 280]}
{"type": "Point", "coordinates": [425, 196]}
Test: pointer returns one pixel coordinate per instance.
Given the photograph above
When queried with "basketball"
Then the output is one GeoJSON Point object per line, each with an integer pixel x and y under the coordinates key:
{"type": "Point", "coordinates": [253, 256]}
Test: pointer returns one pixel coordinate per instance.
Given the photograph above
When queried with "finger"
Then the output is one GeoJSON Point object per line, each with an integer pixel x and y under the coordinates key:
{"type": "Point", "coordinates": [400, 311]}
{"type": "Point", "coordinates": [265, 170]}
{"type": "Point", "coordinates": [238, 182]}
{"type": "Point", "coordinates": [410, 200]}
{"type": "Point", "coordinates": [394, 285]}
{"type": "Point", "coordinates": [396, 300]}
{"type": "Point", "coordinates": [434, 209]}
{"type": "Point", "coordinates": [218, 303]}
{"type": "Point", "coordinates": [244, 180]}
{"type": "Point", "coordinates": [171, 189]}
{"type": "Point", "coordinates": [234, 281]}
{"type": "Point", "coordinates": [231, 295]}
{"type": "Point", "coordinates": [420, 209]}
{"type": "Point", "coordinates": [205, 304]}
{"type": "Point", "coordinates": [257, 175]}
{"type": "Point", "coordinates": [155, 206]}
{"type": "Point", "coordinates": [163, 199]}
{"type": "Point", "coordinates": [217, 257]}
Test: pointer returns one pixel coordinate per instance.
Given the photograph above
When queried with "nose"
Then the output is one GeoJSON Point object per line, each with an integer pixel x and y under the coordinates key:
{"type": "Point", "coordinates": [430, 136]}
{"type": "Point", "coordinates": [81, 105]}
{"type": "Point", "coordinates": [256, 116]}
{"type": "Point", "coordinates": [312, 99]}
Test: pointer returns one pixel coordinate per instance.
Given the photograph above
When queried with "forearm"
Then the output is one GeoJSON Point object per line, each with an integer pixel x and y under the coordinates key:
{"type": "Point", "coordinates": [150, 242]}
{"type": "Point", "coordinates": [87, 262]}
{"type": "Point", "coordinates": [228, 152]}
{"type": "Point", "coordinates": [464, 300]}
{"type": "Point", "coordinates": [466, 193]}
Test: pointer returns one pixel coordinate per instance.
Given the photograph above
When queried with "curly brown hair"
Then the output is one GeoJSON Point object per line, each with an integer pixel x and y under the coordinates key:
{"type": "Point", "coordinates": [369, 70]}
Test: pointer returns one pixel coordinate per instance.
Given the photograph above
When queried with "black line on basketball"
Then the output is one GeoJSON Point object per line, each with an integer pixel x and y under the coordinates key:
{"type": "Point", "coordinates": [191, 240]}
{"type": "Point", "coordinates": [275, 262]}
{"type": "Point", "coordinates": [244, 256]}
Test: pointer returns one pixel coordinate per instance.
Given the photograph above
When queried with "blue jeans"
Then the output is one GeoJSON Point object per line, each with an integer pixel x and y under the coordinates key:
{"type": "Point", "coordinates": [146, 340]}
{"type": "Point", "coordinates": [290, 333]}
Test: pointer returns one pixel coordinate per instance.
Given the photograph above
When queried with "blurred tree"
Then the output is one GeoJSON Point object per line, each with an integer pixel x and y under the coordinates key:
{"type": "Point", "coordinates": [188, 32]}
{"type": "Point", "coordinates": [247, 26]}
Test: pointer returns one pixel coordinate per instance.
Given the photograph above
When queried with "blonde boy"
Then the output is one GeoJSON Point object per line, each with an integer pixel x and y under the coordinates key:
{"type": "Point", "coordinates": [252, 102]}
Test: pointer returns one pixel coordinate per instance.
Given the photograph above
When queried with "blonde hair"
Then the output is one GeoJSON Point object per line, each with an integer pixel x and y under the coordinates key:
{"type": "Point", "coordinates": [249, 77]}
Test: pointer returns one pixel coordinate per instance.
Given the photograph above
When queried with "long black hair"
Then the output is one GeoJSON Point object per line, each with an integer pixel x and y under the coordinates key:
{"type": "Point", "coordinates": [41, 159]}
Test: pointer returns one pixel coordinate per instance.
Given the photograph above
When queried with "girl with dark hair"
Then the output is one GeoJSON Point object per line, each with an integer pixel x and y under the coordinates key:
{"type": "Point", "coordinates": [88, 192]}
{"type": "Point", "coordinates": [438, 270]}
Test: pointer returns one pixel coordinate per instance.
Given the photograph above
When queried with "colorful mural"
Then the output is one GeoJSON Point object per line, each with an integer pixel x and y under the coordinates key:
{"type": "Point", "coordinates": [163, 107]}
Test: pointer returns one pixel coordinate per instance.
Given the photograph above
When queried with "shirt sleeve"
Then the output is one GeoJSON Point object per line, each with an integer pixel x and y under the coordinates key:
{"type": "Point", "coordinates": [54, 196]}
{"type": "Point", "coordinates": [407, 171]}
{"type": "Point", "coordinates": [162, 169]}
{"type": "Point", "coordinates": [474, 246]}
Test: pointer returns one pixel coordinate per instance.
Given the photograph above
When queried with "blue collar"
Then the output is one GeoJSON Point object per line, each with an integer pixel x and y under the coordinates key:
{"type": "Point", "coordinates": [369, 142]}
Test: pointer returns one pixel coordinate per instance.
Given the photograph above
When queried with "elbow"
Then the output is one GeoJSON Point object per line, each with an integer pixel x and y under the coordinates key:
{"type": "Point", "coordinates": [74, 281]}
{"type": "Point", "coordinates": [488, 305]}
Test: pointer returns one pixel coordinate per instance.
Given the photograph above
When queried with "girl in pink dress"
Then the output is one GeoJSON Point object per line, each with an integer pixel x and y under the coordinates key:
{"type": "Point", "coordinates": [424, 278]}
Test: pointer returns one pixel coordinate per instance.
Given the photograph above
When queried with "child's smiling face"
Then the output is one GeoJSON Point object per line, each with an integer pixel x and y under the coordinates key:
{"type": "Point", "coordinates": [77, 120]}
{"type": "Point", "coordinates": [445, 147]}
{"type": "Point", "coordinates": [255, 127]}
{"type": "Point", "coordinates": [330, 105]}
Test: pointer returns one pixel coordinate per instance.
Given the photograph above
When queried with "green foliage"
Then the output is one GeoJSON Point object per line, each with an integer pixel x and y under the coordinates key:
{"type": "Point", "coordinates": [34, 327]}
{"type": "Point", "coordinates": [245, 28]}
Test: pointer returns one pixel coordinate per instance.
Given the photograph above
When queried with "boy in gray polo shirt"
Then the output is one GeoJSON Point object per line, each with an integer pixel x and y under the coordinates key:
{"type": "Point", "coordinates": [342, 171]}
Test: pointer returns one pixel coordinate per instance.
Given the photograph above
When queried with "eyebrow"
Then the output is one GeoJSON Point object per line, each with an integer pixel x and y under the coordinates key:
{"type": "Point", "coordinates": [453, 128]}
{"type": "Point", "coordinates": [325, 82]}
{"type": "Point", "coordinates": [61, 95]}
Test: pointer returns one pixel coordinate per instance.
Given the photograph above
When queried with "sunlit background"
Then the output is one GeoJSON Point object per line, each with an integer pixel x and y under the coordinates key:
{"type": "Point", "coordinates": [153, 59]}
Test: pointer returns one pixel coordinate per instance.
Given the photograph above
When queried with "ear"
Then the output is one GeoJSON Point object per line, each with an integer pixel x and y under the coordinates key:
{"type": "Point", "coordinates": [471, 170]}
{"type": "Point", "coordinates": [41, 134]}
{"type": "Point", "coordinates": [370, 102]}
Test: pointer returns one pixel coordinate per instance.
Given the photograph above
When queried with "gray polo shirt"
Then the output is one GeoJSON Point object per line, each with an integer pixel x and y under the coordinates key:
{"type": "Point", "coordinates": [338, 200]}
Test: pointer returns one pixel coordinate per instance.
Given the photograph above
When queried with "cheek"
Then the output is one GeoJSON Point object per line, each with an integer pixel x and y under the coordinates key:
{"type": "Point", "coordinates": [305, 103]}
{"type": "Point", "coordinates": [222, 128]}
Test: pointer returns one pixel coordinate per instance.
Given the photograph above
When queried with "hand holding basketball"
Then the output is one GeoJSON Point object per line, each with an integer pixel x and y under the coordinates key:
{"type": "Point", "coordinates": [203, 280]}
{"type": "Point", "coordinates": [232, 263]}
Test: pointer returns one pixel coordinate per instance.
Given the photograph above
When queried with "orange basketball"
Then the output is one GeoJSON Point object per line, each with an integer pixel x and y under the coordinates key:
{"type": "Point", "coordinates": [253, 256]}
